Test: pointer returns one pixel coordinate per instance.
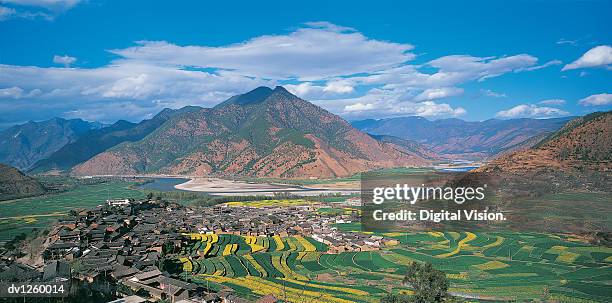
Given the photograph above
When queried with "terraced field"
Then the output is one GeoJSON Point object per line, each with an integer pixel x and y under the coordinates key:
{"type": "Point", "coordinates": [510, 265]}
{"type": "Point", "coordinates": [268, 203]}
{"type": "Point", "coordinates": [480, 266]}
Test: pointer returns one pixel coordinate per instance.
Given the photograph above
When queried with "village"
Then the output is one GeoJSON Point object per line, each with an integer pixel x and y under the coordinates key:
{"type": "Point", "coordinates": [120, 248]}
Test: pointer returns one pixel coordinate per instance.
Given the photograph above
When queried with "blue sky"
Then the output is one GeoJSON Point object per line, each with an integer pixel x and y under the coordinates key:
{"type": "Point", "coordinates": [110, 60]}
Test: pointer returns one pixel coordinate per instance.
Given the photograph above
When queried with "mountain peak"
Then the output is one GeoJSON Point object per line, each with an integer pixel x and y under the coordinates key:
{"type": "Point", "coordinates": [281, 91]}
{"type": "Point", "coordinates": [255, 96]}
{"type": "Point", "coordinates": [259, 95]}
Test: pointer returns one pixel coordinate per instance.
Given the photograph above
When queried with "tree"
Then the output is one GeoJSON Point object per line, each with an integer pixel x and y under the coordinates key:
{"type": "Point", "coordinates": [429, 284]}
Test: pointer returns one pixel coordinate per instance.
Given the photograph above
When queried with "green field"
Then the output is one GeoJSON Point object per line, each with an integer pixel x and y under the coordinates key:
{"type": "Point", "coordinates": [487, 266]}
{"type": "Point", "coordinates": [481, 266]}
{"type": "Point", "coordinates": [23, 215]}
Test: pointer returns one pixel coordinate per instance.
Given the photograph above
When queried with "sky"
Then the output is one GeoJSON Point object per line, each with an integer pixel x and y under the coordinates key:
{"type": "Point", "coordinates": [110, 60]}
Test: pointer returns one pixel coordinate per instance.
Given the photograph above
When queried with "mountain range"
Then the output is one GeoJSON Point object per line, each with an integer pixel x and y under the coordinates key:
{"type": "Point", "coordinates": [455, 138]}
{"type": "Point", "coordinates": [99, 140]}
{"type": "Point", "coordinates": [25, 144]}
{"type": "Point", "coordinates": [265, 132]}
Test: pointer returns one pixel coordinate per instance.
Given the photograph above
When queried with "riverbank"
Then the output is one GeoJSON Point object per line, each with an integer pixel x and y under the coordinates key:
{"type": "Point", "coordinates": [223, 187]}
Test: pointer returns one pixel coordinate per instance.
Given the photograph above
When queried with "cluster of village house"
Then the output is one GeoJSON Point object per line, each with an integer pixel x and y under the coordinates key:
{"type": "Point", "coordinates": [121, 244]}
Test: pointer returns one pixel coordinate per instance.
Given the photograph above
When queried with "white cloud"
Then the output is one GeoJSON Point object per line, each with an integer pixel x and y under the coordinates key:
{"type": "Point", "coordinates": [358, 107]}
{"type": "Point", "coordinates": [64, 60]}
{"type": "Point", "coordinates": [33, 9]}
{"type": "Point", "coordinates": [99, 90]}
{"type": "Point", "coordinates": [552, 102]}
{"type": "Point", "coordinates": [304, 90]}
{"type": "Point", "coordinates": [565, 41]}
{"type": "Point", "coordinates": [339, 87]}
{"type": "Point", "coordinates": [47, 4]}
{"type": "Point", "coordinates": [11, 92]}
{"type": "Point", "coordinates": [134, 87]}
{"type": "Point", "coordinates": [305, 54]}
{"type": "Point", "coordinates": [547, 64]}
{"type": "Point", "coordinates": [335, 66]}
{"type": "Point", "coordinates": [429, 109]}
{"type": "Point", "coordinates": [332, 89]}
{"type": "Point", "coordinates": [330, 26]}
{"type": "Point", "coordinates": [596, 100]}
{"type": "Point", "coordinates": [598, 56]}
{"type": "Point", "coordinates": [490, 93]}
{"type": "Point", "coordinates": [450, 72]}
{"type": "Point", "coordinates": [388, 103]}
{"type": "Point", "coordinates": [481, 68]}
{"type": "Point", "coordinates": [17, 93]}
{"type": "Point", "coordinates": [438, 93]}
{"type": "Point", "coordinates": [432, 109]}
{"type": "Point", "coordinates": [531, 111]}
{"type": "Point", "coordinates": [6, 13]}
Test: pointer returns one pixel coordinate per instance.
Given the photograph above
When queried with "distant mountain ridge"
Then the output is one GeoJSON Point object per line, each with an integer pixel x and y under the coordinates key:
{"type": "Point", "coordinates": [99, 140]}
{"type": "Point", "coordinates": [409, 146]}
{"type": "Point", "coordinates": [23, 145]}
{"type": "Point", "coordinates": [455, 137]}
{"type": "Point", "coordinates": [264, 132]}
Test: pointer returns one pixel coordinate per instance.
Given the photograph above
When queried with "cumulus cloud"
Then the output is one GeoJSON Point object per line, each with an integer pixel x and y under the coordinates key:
{"type": "Point", "coordinates": [304, 90]}
{"type": "Point", "coordinates": [17, 93]}
{"type": "Point", "coordinates": [98, 90]}
{"type": "Point", "coordinates": [531, 111]}
{"type": "Point", "coordinates": [358, 107]}
{"type": "Point", "coordinates": [309, 91]}
{"type": "Point", "coordinates": [438, 93]}
{"type": "Point", "coordinates": [64, 60]}
{"type": "Point", "coordinates": [11, 92]}
{"type": "Point", "coordinates": [599, 56]}
{"type": "Point", "coordinates": [388, 103]}
{"type": "Point", "coordinates": [429, 109]}
{"type": "Point", "coordinates": [334, 66]}
{"type": "Point", "coordinates": [552, 102]}
{"type": "Point", "coordinates": [339, 87]}
{"type": "Point", "coordinates": [596, 100]}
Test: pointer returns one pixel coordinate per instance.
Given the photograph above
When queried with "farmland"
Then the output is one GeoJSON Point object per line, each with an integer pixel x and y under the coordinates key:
{"type": "Point", "coordinates": [481, 266]}
{"type": "Point", "coordinates": [23, 215]}
{"type": "Point", "coordinates": [269, 203]}
{"type": "Point", "coordinates": [484, 266]}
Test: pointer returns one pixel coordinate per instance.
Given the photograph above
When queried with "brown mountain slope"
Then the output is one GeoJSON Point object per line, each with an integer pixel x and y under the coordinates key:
{"type": "Point", "coordinates": [583, 144]}
{"type": "Point", "coordinates": [14, 184]}
{"type": "Point", "coordinates": [264, 132]}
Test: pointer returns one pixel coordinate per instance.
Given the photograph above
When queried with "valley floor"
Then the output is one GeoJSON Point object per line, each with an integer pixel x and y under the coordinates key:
{"type": "Point", "coordinates": [223, 187]}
